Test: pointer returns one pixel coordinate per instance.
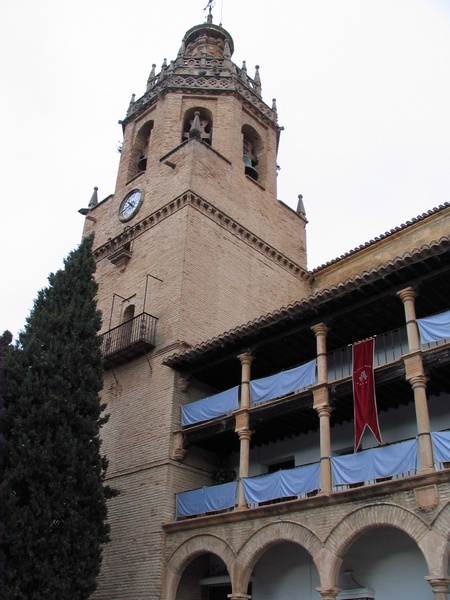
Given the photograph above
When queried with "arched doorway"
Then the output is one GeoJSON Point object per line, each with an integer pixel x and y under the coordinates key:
{"type": "Point", "coordinates": [285, 571]}
{"type": "Point", "coordinates": [205, 578]}
{"type": "Point", "coordinates": [389, 562]}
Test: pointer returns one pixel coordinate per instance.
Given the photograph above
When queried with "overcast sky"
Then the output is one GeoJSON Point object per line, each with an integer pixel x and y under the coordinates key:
{"type": "Point", "coordinates": [362, 89]}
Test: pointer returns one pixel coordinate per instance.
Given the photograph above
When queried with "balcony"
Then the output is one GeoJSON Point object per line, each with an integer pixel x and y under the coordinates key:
{"type": "Point", "coordinates": [389, 347]}
{"type": "Point", "coordinates": [125, 342]}
{"type": "Point", "coordinates": [289, 392]}
{"type": "Point", "coordinates": [376, 465]}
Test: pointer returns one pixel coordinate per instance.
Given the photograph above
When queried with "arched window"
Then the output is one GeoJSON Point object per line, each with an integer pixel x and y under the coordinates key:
{"type": "Point", "coordinates": [253, 154]}
{"type": "Point", "coordinates": [204, 124]}
{"type": "Point", "coordinates": [139, 153]}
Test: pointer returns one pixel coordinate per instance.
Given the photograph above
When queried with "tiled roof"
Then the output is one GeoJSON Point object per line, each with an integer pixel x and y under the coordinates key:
{"type": "Point", "coordinates": [383, 236]}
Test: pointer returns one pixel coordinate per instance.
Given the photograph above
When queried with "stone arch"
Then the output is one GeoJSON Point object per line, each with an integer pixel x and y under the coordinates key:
{"type": "Point", "coordinates": [189, 549]}
{"type": "Point", "coordinates": [442, 521]}
{"type": "Point", "coordinates": [269, 535]}
{"type": "Point", "coordinates": [441, 526]}
{"type": "Point", "coordinates": [362, 519]}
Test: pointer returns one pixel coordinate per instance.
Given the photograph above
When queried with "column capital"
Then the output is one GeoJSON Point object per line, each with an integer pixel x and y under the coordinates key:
{"type": "Point", "coordinates": [244, 434]}
{"type": "Point", "coordinates": [246, 357]}
{"type": "Point", "coordinates": [418, 381]}
{"type": "Point", "coordinates": [407, 294]}
{"type": "Point", "coordinates": [324, 410]}
{"type": "Point", "coordinates": [320, 329]}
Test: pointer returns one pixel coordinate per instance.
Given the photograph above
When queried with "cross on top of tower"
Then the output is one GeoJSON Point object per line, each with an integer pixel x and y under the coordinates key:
{"type": "Point", "coordinates": [210, 6]}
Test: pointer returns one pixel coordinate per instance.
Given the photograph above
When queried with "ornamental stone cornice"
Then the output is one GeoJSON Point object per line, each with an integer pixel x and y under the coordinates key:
{"type": "Point", "coordinates": [219, 217]}
{"type": "Point", "coordinates": [217, 83]}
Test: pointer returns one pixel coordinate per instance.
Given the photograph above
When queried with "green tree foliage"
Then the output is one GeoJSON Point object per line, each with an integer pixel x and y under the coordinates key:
{"type": "Point", "coordinates": [53, 490]}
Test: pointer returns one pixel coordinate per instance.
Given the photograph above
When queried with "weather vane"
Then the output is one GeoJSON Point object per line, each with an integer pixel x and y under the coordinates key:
{"type": "Point", "coordinates": [209, 5]}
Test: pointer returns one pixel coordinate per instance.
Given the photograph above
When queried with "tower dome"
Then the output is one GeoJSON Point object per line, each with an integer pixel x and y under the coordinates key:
{"type": "Point", "coordinates": [208, 38]}
{"type": "Point", "coordinates": [203, 64]}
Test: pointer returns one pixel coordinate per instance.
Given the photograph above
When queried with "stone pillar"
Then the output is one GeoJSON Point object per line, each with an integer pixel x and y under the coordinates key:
{"type": "Point", "coordinates": [323, 408]}
{"type": "Point", "coordinates": [408, 296]}
{"type": "Point", "coordinates": [244, 439]}
{"type": "Point", "coordinates": [242, 427]}
{"type": "Point", "coordinates": [416, 377]}
{"type": "Point", "coordinates": [439, 585]}
{"type": "Point", "coordinates": [419, 386]}
{"type": "Point", "coordinates": [324, 412]}
{"type": "Point", "coordinates": [238, 596]}
{"type": "Point", "coordinates": [246, 360]}
{"type": "Point", "coordinates": [321, 331]}
{"type": "Point", "coordinates": [328, 593]}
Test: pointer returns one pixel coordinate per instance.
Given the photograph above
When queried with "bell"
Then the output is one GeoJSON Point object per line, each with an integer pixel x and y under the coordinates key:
{"type": "Point", "coordinates": [142, 164]}
{"type": "Point", "coordinates": [249, 168]}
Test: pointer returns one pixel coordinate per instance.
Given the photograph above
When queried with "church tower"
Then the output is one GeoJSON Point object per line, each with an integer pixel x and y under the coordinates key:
{"type": "Point", "coordinates": [192, 243]}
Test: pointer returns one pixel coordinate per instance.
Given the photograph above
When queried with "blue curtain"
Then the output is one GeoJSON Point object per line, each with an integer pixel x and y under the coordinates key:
{"type": "Point", "coordinates": [434, 328]}
{"type": "Point", "coordinates": [375, 463]}
{"type": "Point", "coordinates": [210, 408]}
{"type": "Point", "coordinates": [283, 383]}
{"type": "Point", "coordinates": [441, 445]}
{"type": "Point", "coordinates": [282, 484]}
{"type": "Point", "coordinates": [207, 499]}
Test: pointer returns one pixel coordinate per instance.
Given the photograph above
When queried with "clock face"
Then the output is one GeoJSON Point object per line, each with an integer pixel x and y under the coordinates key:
{"type": "Point", "coordinates": [130, 205]}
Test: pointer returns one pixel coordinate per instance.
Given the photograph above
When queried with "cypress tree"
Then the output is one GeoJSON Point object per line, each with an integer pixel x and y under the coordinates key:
{"type": "Point", "coordinates": [53, 490]}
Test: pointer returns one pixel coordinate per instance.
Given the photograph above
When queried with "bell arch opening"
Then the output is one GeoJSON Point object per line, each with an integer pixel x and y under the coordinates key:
{"type": "Point", "coordinates": [140, 150]}
{"type": "Point", "coordinates": [253, 154]}
{"type": "Point", "coordinates": [198, 123]}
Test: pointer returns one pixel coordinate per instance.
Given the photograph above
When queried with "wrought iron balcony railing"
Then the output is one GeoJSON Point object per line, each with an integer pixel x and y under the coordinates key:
{"type": "Point", "coordinates": [134, 337]}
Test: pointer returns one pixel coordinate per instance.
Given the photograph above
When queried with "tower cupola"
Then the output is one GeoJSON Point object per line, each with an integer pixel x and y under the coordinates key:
{"type": "Point", "coordinates": [203, 64]}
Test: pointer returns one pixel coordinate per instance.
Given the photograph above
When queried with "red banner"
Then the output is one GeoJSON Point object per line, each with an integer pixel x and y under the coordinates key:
{"type": "Point", "coordinates": [364, 390]}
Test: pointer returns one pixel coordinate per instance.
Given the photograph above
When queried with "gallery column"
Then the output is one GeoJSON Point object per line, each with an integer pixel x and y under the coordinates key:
{"type": "Point", "coordinates": [416, 377]}
{"type": "Point", "coordinates": [242, 425]}
{"type": "Point", "coordinates": [323, 408]}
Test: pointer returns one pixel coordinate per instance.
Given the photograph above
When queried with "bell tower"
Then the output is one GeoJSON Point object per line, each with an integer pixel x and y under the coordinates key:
{"type": "Point", "coordinates": [192, 242]}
